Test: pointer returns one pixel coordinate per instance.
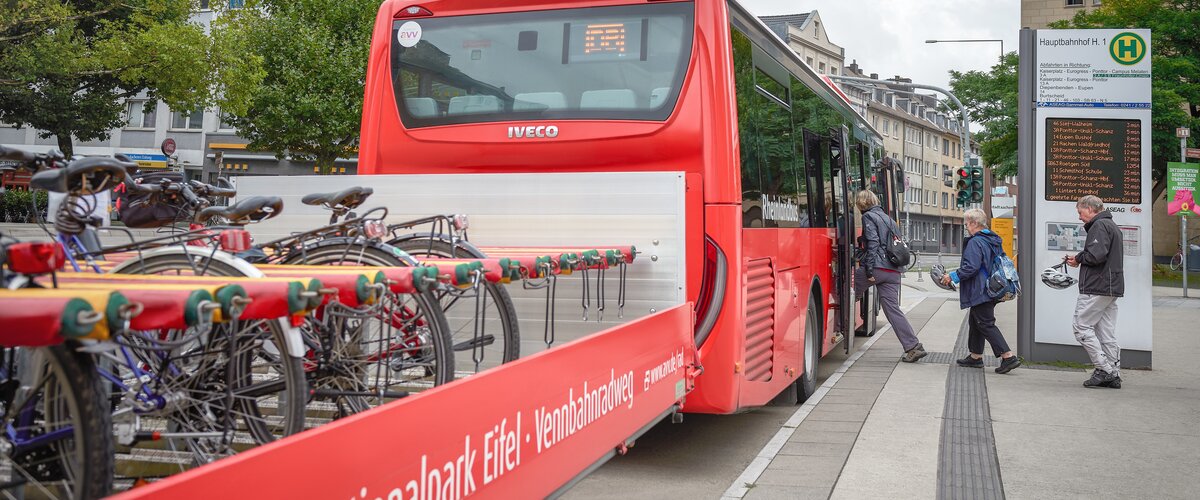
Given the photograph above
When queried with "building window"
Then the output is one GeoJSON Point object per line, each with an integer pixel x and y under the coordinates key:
{"type": "Point", "coordinates": [223, 122]}
{"type": "Point", "coordinates": [140, 114]}
{"type": "Point", "coordinates": [946, 149]}
{"type": "Point", "coordinates": [817, 34]}
{"type": "Point", "coordinates": [822, 71]}
{"type": "Point", "coordinates": [187, 121]}
{"type": "Point", "coordinates": [1074, 3]}
{"type": "Point", "coordinates": [833, 71]}
{"type": "Point", "coordinates": [810, 64]}
{"type": "Point", "coordinates": [896, 134]}
{"type": "Point", "coordinates": [946, 202]}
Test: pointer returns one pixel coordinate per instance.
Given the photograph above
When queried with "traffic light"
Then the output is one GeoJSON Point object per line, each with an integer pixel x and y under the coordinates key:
{"type": "Point", "coordinates": [969, 183]}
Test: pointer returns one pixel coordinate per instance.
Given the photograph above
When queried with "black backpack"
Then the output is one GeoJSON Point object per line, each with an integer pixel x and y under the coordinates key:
{"type": "Point", "coordinates": [135, 212]}
{"type": "Point", "coordinates": [894, 248]}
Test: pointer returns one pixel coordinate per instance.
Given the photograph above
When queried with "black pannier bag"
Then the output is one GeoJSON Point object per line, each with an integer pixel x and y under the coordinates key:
{"type": "Point", "coordinates": [135, 210]}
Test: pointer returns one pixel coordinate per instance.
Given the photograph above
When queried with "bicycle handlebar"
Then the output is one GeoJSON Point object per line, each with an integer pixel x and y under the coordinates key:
{"type": "Point", "coordinates": [194, 193]}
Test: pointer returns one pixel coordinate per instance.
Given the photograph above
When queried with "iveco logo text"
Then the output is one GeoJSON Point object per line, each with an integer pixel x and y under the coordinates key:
{"type": "Point", "coordinates": [532, 131]}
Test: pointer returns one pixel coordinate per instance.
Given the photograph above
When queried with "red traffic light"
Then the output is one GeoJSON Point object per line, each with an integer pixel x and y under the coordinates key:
{"type": "Point", "coordinates": [962, 172]}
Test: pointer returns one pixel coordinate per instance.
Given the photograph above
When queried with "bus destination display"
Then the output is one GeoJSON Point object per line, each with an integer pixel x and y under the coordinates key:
{"type": "Point", "coordinates": [1092, 156]}
{"type": "Point", "coordinates": [608, 41]}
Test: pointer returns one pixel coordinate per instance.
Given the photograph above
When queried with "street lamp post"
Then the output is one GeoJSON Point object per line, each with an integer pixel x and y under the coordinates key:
{"type": "Point", "coordinates": [973, 40]}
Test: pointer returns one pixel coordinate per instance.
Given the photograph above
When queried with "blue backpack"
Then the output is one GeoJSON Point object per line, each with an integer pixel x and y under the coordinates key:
{"type": "Point", "coordinates": [1003, 284]}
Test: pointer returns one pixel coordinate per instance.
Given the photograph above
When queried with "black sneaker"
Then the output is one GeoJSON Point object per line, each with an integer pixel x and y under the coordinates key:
{"type": "Point", "coordinates": [970, 362]}
{"type": "Point", "coordinates": [1100, 378]}
{"type": "Point", "coordinates": [1007, 364]}
{"type": "Point", "coordinates": [912, 355]}
{"type": "Point", "coordinates": [1115, 384]}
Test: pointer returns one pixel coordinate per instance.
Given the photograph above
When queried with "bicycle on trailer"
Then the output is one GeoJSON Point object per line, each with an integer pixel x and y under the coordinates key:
{"type": "Point", "coordinates": [165, 377]}
{"type": "Point", "coordinates": [358, 356]}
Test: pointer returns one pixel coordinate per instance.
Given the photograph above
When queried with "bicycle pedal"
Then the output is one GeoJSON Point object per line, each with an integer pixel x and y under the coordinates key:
{"type": "Point", "coordinates": [483, 341]}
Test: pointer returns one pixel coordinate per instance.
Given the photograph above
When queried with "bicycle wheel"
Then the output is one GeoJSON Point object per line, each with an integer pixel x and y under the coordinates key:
{"type": "Point", "coordinates": [270, 387]}
{"type": "Point", "coordinates": [1177, 261]}
{"type": "Point", "coordinates": [58, 439]}
{"type": "Point", "coordinates": [366, 359]}
{"type": "Point", "coordinates": [498, 312]}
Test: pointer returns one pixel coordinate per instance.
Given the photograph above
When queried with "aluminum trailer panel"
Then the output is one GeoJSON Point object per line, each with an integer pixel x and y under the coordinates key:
{"type": "Point", "coordinates": [643, 209]}
{"type": "Point", "coordinates": [523, 430]}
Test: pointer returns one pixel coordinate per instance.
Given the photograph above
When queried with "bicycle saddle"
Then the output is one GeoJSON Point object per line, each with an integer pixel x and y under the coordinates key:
{"type": "Point", "coordinates": [249, 210]}
{"type": "Point", "coordinates": [85, 176]}
{"type": "Point", "coordinates": [347, 198]}
{"type": "Point", "coordinates": [16, 155]}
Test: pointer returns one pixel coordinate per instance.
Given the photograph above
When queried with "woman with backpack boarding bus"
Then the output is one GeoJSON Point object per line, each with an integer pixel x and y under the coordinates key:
{"type": "Point", "coordinates": [981, 250]}
{"type": "Point", "coordinates": [882, 257]}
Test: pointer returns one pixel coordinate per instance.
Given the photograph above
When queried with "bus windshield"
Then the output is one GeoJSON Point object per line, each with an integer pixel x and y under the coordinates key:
{"type": "Point", "coordinates": [623, 63]}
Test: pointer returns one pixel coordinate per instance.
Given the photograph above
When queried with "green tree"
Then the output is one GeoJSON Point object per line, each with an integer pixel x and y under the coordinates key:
{"type": "Point", "coordinates": [1175, 60]}
{"type": "Point", "coordinates": [991, 101]}
{"type": "Point", "coordinates": [314, 52]}
{"type": "Point", "coordinates": [66, 68]}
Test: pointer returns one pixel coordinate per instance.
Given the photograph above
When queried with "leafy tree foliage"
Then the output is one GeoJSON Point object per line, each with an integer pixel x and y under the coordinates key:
{"type": "Point", "coordinates": [1175, 59]}
{"type": "Point", "coordinates": [991, 100]}
{"type": "Point", "coordinates": [66, 68]}
{"type": "Point", "coordinates": [314, 54]}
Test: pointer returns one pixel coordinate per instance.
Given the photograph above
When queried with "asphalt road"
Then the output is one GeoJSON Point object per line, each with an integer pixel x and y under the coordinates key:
{"type": "Point", "coordinates": [696, 459]}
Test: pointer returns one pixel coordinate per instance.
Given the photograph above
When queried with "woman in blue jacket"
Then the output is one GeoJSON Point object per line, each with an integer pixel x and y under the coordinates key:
{"type": "Point", "coordinates": [979, 250]}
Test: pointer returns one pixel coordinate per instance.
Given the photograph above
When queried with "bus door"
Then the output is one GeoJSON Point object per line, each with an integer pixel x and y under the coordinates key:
{"type": "Point", "coordinates": [843, 216]}
{"type": "Point", "coordinates": [864, 173]}
{"type": "Point", "coordinates": [831, 207]}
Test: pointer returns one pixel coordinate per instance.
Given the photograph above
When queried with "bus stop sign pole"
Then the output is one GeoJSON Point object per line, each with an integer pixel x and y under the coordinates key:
{"type": "Point", "coordinates": [1182, 133]}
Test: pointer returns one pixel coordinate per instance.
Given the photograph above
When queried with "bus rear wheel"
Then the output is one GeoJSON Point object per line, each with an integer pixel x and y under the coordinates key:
{"type": "Point", "coordinates": [806, 385]}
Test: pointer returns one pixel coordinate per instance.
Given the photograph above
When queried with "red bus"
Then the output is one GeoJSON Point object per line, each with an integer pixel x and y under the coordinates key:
{"type": "Point", "coordinates": [699, 87]}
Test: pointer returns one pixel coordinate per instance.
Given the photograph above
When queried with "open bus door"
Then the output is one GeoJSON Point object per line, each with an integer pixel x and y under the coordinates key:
{"type": "Point", "coordinates": [832, 208]}
{"type": "Point", "coordinates": [843, 213]}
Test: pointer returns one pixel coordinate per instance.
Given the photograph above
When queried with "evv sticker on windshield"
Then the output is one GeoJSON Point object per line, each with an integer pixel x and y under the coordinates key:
{"type": "Point", "coordinates": [409, 34]}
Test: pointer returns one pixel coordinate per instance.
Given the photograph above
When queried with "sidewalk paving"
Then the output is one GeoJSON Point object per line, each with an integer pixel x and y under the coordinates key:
{"type": "Point", "coordinates": [889, 429]}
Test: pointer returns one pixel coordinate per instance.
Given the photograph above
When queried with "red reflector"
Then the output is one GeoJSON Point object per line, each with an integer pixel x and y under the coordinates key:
{"type": "Point", "coordinates": [412, 11]}
{"type": "Point", "coordinates": [40, 257]}
{"type": "Point", "coordinates": [235, 240]}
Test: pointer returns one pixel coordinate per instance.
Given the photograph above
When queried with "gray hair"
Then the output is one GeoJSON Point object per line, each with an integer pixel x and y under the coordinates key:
{"type": "Point", "coordinates": [1090, 202]}
{"type": "Point", "coordinates": [979, 217]}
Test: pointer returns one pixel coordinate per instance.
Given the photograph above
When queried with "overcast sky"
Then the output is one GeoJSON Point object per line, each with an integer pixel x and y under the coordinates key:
{"type": "Point", "coordinates": [888, 36]}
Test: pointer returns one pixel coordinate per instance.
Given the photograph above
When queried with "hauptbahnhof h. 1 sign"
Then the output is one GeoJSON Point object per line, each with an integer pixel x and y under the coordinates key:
{"type": "Point", "coordinates": [1085, 130]}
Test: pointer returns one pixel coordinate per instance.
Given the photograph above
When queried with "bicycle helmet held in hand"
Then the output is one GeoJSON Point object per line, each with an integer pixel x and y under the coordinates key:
{"type": "Point", "coordinates": [1056, 277]}
{"type": "Point", "coordinates": [936, 273]}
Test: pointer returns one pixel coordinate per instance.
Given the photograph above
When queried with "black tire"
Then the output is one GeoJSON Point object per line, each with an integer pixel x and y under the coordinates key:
{"type": "Point", "coordinates": [800, 390]}
{"type": "Point", "coordinates": [78, 466]}
{"type": "Point", "coordinates": [258, 344]}
{"type": "Point", "coordinates": [460, 312]}
{"type": "Point", "coordinates": [872, 319]}
{"type": "Point", "coordinates": [422, 322]}
{"type": "Point", "coordinates": [807, 385]}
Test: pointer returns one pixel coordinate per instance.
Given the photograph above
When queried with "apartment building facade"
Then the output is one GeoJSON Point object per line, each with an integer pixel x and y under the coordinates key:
{"type": "Point", "coordinates": [1038, 14]}
{"type": "Point", "coordinates": [926, 142]}
{"type": "Point", "coordinates": [805, 34]}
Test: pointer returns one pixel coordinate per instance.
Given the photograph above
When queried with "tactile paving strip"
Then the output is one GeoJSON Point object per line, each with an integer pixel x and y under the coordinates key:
{"type": "Point", "coordinates": [967, 464]}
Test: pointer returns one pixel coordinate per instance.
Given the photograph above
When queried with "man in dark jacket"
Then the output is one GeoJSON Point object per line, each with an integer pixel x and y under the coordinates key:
{"type": "Point", "coordinates": [1101, 281]}
{"type": "Point", "coordinates": [979, 251]}
{"type": "Point", "coordinates": [876, 270]}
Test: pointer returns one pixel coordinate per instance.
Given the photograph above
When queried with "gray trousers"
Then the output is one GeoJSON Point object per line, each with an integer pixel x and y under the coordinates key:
{"type": "Point", "coordinates": [889, 297]}
{"type": "Point", "coordinates": [1095, 327]}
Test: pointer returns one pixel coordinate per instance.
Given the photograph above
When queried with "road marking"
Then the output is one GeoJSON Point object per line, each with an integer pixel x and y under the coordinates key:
{"type": "Point", "coordinates": [750, 475]}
